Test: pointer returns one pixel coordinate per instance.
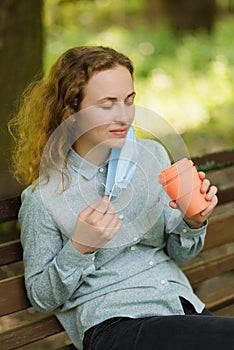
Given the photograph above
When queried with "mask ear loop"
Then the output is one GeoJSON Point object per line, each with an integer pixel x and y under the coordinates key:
{"type": "Point", "coordinates": [111, 192]}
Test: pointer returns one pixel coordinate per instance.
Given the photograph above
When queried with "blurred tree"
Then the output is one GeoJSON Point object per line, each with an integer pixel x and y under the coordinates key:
{"type": "Point", "coordinates": [184, 15]}
{"type": "Point", "coordinates": [21, 42]}
{"type": "Point", "coordinates": [227, 6]}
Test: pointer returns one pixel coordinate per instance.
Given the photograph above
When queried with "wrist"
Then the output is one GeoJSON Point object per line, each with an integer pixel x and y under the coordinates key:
{"type": "Point", "coordinates": [193, 224]}
{"type": "Point", "coordinates": [83, 249]}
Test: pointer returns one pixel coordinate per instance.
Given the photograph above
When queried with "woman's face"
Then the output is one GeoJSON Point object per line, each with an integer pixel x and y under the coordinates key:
{"type": "Point", "coordinates": [107, 110]}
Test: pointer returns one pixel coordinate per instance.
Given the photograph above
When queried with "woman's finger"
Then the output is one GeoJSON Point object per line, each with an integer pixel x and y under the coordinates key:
{"type": "Point", "coordinates": [205, 185]}
{"type": "Point", "coordinates": [84, 214]}
{"type": "Point", "coordinates": [210, 208]}
{"type": "Point", "coordinates": [99, 211]}
{"type": "Point", "coordinates": [211, 193]}
{"type": "Point", "coordinates": [202, 175]}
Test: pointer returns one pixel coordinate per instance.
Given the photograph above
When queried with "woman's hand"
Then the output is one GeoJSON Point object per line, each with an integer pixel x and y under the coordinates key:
{"type": "Point", "coordinates": [196, 221]}
{"type": "Point", "coordinates": [96, 225]}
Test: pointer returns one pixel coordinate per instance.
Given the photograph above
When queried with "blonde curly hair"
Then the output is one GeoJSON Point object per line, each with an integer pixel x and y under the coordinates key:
{"type": "Point", "coordinates": [48, 102]}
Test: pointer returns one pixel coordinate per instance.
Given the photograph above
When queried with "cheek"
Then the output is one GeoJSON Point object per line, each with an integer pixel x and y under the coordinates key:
{"type": "Point", "coordinates": [93, 118]}
{"type": "Point", "coordinates": [132, 113]}
{"type": "Point", "coordinates": [98, 133]}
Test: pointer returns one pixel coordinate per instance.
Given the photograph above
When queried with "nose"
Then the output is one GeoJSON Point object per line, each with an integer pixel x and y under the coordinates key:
{"type": "Point", "coordinates": [124, 113]}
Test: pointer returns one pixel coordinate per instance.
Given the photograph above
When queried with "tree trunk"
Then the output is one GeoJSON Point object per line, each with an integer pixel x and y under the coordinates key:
{"type": "Point", "coordinates": [21, 41]}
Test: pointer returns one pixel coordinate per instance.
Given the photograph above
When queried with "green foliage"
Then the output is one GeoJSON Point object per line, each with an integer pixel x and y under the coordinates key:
{"type": "Point", "coordinates": [186, 79]}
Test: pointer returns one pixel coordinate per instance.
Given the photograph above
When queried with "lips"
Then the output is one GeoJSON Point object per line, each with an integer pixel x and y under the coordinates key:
{"type": "Point", "coordinates": [121, 132]}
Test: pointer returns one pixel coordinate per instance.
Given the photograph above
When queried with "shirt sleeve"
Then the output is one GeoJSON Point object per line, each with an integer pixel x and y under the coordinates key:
{"type": "Point", "coordinates": [54, 269]}
{"type": "Point", "coordinates": [184, 243]}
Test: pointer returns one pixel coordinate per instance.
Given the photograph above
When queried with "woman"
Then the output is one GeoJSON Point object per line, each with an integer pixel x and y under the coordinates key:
{"type": "Point", "coordinates": [101, 243]}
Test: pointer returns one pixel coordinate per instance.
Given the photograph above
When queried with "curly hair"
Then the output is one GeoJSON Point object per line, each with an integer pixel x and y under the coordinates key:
{"type": "Point", "coordinates": [48, 102]}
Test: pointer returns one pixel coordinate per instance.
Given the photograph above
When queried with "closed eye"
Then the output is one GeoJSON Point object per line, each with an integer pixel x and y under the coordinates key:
{"type": "Point", "coordinates": [129, 102]}
{"type": "Point", "coordinates": [106, 105]}
{"type": "Point", "coordinates": [109, 102]}
{"type": "Point", "coordinates": [130, 99]}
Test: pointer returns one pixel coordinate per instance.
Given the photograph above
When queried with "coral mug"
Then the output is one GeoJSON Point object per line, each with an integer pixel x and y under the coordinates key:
{"type": "Point", "coordinates": [182, 183]}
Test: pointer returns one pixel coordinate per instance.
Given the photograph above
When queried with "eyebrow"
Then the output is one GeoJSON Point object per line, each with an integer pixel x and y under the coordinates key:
{"type": "Point", "coordinates": [113, 99]}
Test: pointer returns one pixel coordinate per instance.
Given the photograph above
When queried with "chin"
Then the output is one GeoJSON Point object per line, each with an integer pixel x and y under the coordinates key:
{"type": "Point", "coordinates": [116, 143]}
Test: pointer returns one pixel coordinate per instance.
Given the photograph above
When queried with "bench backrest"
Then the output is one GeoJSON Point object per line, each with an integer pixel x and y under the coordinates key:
{"type": "Point", "coordinates": [21, 325]}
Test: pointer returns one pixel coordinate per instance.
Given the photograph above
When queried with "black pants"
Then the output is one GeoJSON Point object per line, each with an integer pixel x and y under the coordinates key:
{"type": "Point", "coordinates": [180, 332]}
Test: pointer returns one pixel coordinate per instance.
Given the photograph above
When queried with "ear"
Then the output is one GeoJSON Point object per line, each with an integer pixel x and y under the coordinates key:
{"type": "Point", "coordinates": [75, 104]}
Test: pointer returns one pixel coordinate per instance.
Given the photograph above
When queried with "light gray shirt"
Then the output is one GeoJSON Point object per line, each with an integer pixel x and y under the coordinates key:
{"type": "Point", "coordinates": [134, 275]}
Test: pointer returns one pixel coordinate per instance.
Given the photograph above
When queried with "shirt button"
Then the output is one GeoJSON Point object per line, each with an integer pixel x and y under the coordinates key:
{"type": "Point", "coordinates": [163, 281]}
{"type": "Point", "coordinates": [93, 258]}
{"type": "Point", "coordinates": [121, 216]}
{"type": "Point", "coordinates": [184, 230]}
{"type": "Point", "coordinates": [133, 247]}
{"type": "Point", "coordinates": [134, 239]}
{"type": "Point", "coordinates": [101, 170]}
{"type": "Point", "coordinates": [151, 263]}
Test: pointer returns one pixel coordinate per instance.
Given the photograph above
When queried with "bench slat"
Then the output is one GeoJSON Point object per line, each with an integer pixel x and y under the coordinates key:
{"type": "Point", "coordinates": [13, 296]}
{"type": "Point", "coordinates": [200, 272]}
{"type": "Point", "coordinates": [226, 195]}
{"type": "Point", "coordinates": [9, 209]}
{"type": "Point", "coordinates": [223, 179]}
{"type": "Point", "coordinates": [10, 252]}
{"type": "Point", "coordinates": [29, 333]}
{"type": "Point", "coordinates": [220, 228]}
{"type": "Point", "coordinates": [225, 311]}
{"type": "Point", "coordinates": [68, 347]}
{"type": "Point", "coordinates": [215, 160]}
{"type": "Point", "coordinates": [219, 298]}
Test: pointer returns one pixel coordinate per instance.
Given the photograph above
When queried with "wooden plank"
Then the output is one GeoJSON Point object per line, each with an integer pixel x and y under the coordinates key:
{"type": "Point", "coordinates": [10, 252]}
{"type": "Point", "coordinates": [226, 195]}
{"type": "Point", "coordinates": [210, 263]}
{"type": "Point", "coordinates": [29, 333]}
{"type": "Point", "coordinates": [219, 232]}
{"type": "Point", "coordinates": [215, 160]}
{"type": "Point", "coordinates": [9, 209]}
{"type": "Point", "coordinates": [207, 269]}
{"type": "Point", "coordinates": [224, 180]}
{"type": "Point", "coordinates": [227, 311]}
{"type": "Point", "coordinates": [206, 256]}
{"type": "Point", "coordinates": [219, 298]}
{"type": "Point", "coordinates": [220, 228]}
{"type": "Point", "coordinates": [68, 347]}
{"type": "Point", "coordinates": [217, 292]}
{"type": "Point", "coordinates": [13, 296]}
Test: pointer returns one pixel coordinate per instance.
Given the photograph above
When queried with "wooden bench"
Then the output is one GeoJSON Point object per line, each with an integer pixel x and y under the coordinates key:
{"type": "Point", "coordinates": [211, 273]}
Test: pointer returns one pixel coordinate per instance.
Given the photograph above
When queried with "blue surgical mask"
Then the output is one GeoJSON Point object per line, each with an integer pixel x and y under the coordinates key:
{"type": "Point", "coordinates": [122, 166]}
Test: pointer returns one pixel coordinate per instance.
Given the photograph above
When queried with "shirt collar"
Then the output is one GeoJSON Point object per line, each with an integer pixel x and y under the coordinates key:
{"type": "Point", "coordinates": [82, 166]}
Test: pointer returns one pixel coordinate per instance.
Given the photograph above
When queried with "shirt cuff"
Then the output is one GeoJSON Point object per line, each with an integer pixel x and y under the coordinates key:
{"type": "Point", "coordinates": [70, 258]}
{"type": "Point", "coordinates": [183, 229]}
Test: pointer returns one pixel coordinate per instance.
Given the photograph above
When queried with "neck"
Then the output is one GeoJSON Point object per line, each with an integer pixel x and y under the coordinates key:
{"type": "Point", "coordinates": [97, 155]}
